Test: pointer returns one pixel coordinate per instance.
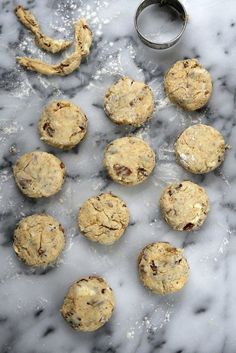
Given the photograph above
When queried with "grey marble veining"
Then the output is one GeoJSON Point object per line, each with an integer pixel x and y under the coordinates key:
{"type": "Point", "coordinates": [200, 318]}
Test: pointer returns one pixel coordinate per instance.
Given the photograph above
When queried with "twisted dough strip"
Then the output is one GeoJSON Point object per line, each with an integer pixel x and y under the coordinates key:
{"type": "Point", "coordinates": [44, 42]}
{"type": "Point", "coordinates": [83, 41]}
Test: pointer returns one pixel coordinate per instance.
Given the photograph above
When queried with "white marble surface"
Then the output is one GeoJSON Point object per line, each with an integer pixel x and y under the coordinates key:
{"type": "Point", "coordinates": [200, 318]}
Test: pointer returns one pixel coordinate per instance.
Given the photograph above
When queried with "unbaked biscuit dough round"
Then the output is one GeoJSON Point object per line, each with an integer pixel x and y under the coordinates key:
{"type": "Point", "coordinates": [103, 218]}
{"type": "Point", "coordinates": [129, 102]}
{"type": "Point", "coordinates": [88, 304]}
{"type": "Point", "coordinates": [62, 125]}
{"type": "Point", "coordinates": [38, 240]}
{"type": "Point", "coordinates": [200, 149]}
{"type": "Point", "coordinates": [163, 268]}
{"type": "Point", "coordinates": [184, 205]}
{"type": "Point", "coordinates": [39, 174]}
{"type": "Point", "coordinates": [129, 160]}
{"type": "Point", "coordinates": [188, 84]}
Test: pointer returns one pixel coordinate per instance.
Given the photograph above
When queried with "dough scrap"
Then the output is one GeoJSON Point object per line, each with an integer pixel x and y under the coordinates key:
{"type": "Point", "coordinates": [129, 160]}
{"type": "Point", "coordinates": [44, 42]}
{"type": "Point", "coordinates": [129, 102]}
{"type": "Point", "coordinates": [188, 84]}
{"type": "Point", "coordinates": [163, 268]}
{"type": "Point", "coordinates": [39, 174]}
{"type": "Point", "coordinates": [88, 304]}
{"type": "Point", "coordinates": [62, 124]}
{"type": "Point", "coordinates": [184, 205]}
{"type": "Point", "coordinates": [200, 149]}
{"type": "Point", "coordinates": [83, 41]}
{"type": "Point", "coordinates": [38, 240]}
{"type": "Point", "coordinates": [103, 218]}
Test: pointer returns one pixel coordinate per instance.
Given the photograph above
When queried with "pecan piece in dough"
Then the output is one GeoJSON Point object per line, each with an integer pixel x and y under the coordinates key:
{"type": "Point", "coordinates": [50, 131]}
{"type": "Point", "coordinates": [122, 170]}
{"type": "Point", "coordinates": [44, 42]}
{"type": "Point", "coordinates": [188, 226]}
{"type": "Point", "coordinates": [142, 172]}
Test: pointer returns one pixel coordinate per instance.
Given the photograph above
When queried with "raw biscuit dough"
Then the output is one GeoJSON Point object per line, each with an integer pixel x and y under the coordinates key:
{"type": "Point", "coordinates": [88, 304]}
{"type": "Point", "coordinates": [38, 240]}
{"type": "Point", "coordinates": [188, 84]}
{"type": "Point", "coordinates": [44, 42]}
{"type": "Point", "coordinates": [103, 218]}
{"type": "Point", "coordinates": [163, 268]}
{"type": "Point", "coordinates": [83, 41]}
{"type": "Point", "coordinates": [62, 124]}
{"type": "Point", "coordinates": [200, 149]}
{"type": "Point", "coordinates": [39, 174]}
{"type": "Point", "coordinates": [129, 102]}
{"type": "Point", "coordinates": [184, 205]}
{"type": "Point", "coordinates": [129, 160]}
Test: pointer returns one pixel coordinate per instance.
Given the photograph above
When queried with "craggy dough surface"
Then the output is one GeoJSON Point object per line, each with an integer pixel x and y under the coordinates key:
{"type": "Point", "coordinates": [184, 205]}
{"type": "Point", "coordinates": [62, 124]}
{"type": "Point", "coordinates": [39, 174]}
{"type": "Point", "coordinates": [188, 84]}
{"type": "Point", "coordinates": [103, 218]}
{"type": "Point", "coordinates": [38, 240]}
{"type": "Point", "coordinates": [200, 149]}
{"type": "Point", "coordinates": [88, 304]}
{"type": "Point", "coordinates": [129, 102]}
{"type": "Point", "coordinates": [163, 268]}
{"type": "Point", "coordinates": [129, 160]}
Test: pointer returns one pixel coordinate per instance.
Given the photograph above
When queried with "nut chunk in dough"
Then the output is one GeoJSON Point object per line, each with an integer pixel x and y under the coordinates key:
{"type": "Point", "coordinates": [129, 160]}
{"type": "Point", "coordinates": [188, 84]}
{"type": "Point", "coordinates": [38, 240]}
{"type": "Point", "coordinates": [44, 42]}
{"type": "Point", "coordinates": [83, 41]}
{"type": "Point", "coordinates": [163, 268]}
{"type": "Point", "coordinates": [103, 218]}
{"type": "Point", "coordinates": [39, 174]}
{"type": "Point", "coordinates": [62, 125]}
{"type": "Point", "coordinates": [184, 205]}
{"type": "Point", "coordinates": [88, 304]}
{"type": "Point", "coordinates": [200, 149]}
{"type": "Point", "coordinates": [129, 102]}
